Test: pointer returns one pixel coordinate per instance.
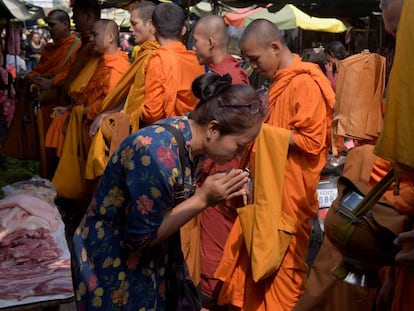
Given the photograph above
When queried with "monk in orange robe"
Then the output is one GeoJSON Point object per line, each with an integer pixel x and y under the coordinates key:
{"type": "Point", "coordinates": [85, 13]}
{"type": "Point", "coordinates": [88, 92]}
{"type": "Point", "coordinates": [58, 56]}
{"type": "Point", "coordinates": [300, 100]}
{"type": "Point", "coordinates": [171, 68]}
{"type": "Point", "coordinates": [127, 95]}
{"type": "Point", "coordinates": [56, 59]}
{"type": "Point", "coordinates": [170, 72]}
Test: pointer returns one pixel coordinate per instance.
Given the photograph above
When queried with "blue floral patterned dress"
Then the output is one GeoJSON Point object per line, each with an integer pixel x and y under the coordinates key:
{"type": "Point", "coordinates": [115, 266]}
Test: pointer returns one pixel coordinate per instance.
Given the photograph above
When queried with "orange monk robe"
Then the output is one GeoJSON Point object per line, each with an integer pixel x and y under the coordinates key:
{"type": "Point", "coordinates": [130, 91]}
{"type": "Point", "coordinates": [300, 99]}
{"type": "Point", "coordinates": [55, 136]}
{"type": "Point", "coordinates": [109, 71]}
{"type": "Point", "coordinates": [170, 73]}
{"type": "Point", "coordinates": [83, 56]}
{"type": "Point", "coordinates": [261, 234]}
{"type": "Point", "coordinates": [395, 141]}
{"type": "Point", "coordinates": [77, 78]}
{"type": "Point", "coordinates": [57, 58]}
{"type": "Point", "coordinates": [55, 61]}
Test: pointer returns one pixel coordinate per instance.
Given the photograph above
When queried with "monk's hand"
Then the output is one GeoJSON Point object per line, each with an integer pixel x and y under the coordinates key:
{"type": "Point", "coordinates": [406, 255]}
{"type": "Point", "coordinates": [60, 110]}
{"type": "Point", "coordinates": [223, 186]}
{"type": "Point", "coordinates": [95, 125]}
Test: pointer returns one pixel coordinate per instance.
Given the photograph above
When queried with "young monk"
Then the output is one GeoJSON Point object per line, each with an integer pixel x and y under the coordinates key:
{"type": "Point", "coordinates": [55, 60]}
{"type": "Point", "coordinates": [301, 101]}
{"type": "Point", "coordinates": [128, 95]}
{"type": "Point", "coordinates": [96, 82]}
{"type": "Point", "coordinates": [171, 68]}
{"type": "Point", "coordinates": [85, 13]}
{"type": "Point", "coordinates": [210, 44]}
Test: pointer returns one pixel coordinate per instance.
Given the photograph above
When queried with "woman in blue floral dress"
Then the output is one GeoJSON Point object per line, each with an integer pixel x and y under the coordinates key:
{"type": "Point", "coordinates": [120, 245]}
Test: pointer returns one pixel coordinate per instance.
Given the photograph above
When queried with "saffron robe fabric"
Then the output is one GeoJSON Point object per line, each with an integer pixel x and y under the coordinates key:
{"type": "Point", "coordinates": [55, 134]}
{"type": "Point", "coordinates": [396, 139]}
{"type": "Point", "coordinates": [108, 72]}
{"type": "Point", "coordinates": [52, 58]}
{"type": "Point", "coordinates": [300, 100]}
{"type": "Point", "coordinates": [130, 92]}
{"type": "Point", "coordinates": [169, 75]}
{"type": "Point", "coordinates": [359, 92]}
{"type": "Point", "coordinates": [254, 249]}
{"type": "Point", "coordinates": [170, 72]}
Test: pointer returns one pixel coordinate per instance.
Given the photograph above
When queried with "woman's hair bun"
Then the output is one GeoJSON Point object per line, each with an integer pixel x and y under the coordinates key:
{"type": "Point", "coordinates": [210, 85]}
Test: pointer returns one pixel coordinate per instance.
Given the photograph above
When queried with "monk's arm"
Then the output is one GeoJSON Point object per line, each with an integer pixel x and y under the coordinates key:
{"type": "Point", "coordinates": [110, 77]}
{"type": "Point", "coordinates": [309, 123]}
{"type": "Point", "coordinates": [153, 107]}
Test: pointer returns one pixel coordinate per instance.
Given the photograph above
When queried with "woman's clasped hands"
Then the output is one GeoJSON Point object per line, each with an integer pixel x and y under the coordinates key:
{"type": "Point", "coordinates": [224, 186]}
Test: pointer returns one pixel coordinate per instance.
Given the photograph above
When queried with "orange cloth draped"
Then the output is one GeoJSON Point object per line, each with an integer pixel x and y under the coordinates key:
{"type": "Point", "coordinates": [396, 139]}
{"type": "Point", "coordinates": [130, 92]}
{"type": "Point", "coordinates": [83, 56]}
{"type": "Point", "coordinates": [130, 89]}
{"type": "Point", "coordinates": [108, 72]}
{"type": "Point", "coordinates": [359, 91]}
{"type": "Point", "coordinates": [254, 249]}
{"type": "Point", "coordinates": [55, 62]}
{"type": "Point", "coordinates": [171, 71]}
{"type": "Point", "coordinates": [301, 100]}
{"type": "Point", "coordinates": [55, 136]}
{"type": "Point", "coordinates": [53, 56]}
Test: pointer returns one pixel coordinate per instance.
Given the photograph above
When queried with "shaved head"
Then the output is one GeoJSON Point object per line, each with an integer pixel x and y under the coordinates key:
{"type": "Point", "coordinates": [214, 26]}
{"type": "Point", "coordinates": [145, 10]}
{"type": "Point", "coordinates": [59, 15]}
{"type": "Point", "coordinates": [262, 45]}
{"type": "Point", "coordinates": [111, 27]}
{"type": "Point", "coordinates": [263, 31]}
{"type": "Point", "coordinates": [105, 36]}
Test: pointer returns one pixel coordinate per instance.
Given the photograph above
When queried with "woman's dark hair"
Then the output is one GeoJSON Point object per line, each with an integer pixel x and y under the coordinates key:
{"type": "Point", "coordinates": [168, 20]}
{"type": "Point", "coordinates": [336, 49]}
{"type": "Point", "coordinates": [236, 107]}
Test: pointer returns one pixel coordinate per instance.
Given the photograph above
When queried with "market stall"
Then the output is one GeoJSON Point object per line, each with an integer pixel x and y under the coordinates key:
{"type": "Point", "coordinates": [35, 262]}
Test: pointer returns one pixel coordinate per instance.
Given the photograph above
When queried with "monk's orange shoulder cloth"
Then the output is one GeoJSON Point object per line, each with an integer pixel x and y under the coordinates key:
{"type": "Point", "coordinates": [254, 249]}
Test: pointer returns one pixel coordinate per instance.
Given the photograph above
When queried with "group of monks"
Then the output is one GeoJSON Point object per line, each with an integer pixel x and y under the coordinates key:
{"type": "Point", "coordinates": [91, 97]}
